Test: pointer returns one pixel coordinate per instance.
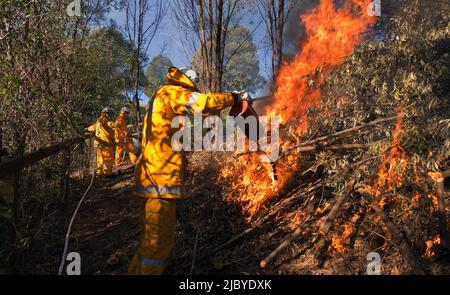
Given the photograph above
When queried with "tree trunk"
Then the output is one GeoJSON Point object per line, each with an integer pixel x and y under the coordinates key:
{"type": "Point", "coordinates": [279, 31]}
{"type": "Point", "coordinates": [1, 138]}
{"type": "Point", "coordinates": [65, 178]}
{"type": "Point", "coordinates": [204, 49]}
{"type": "Point", "coordinates": [218, 51]}
{"type": "Point", "coordinates": [272, 20]}
{"type": "Point", "coordinates": [17, 177]}
{"type": "Point", "coordinates": [138, 68]}
{"type": "Point", "coordinates": [137, 105]}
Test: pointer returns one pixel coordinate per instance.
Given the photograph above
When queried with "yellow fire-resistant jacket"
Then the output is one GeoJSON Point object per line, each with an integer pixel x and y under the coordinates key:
{"type": "Point", "coordinates": [159, 170]}
{"type": "Point", "coordinates": [121, 128]}
{"type": "Point", "coordinates": [103, 131]}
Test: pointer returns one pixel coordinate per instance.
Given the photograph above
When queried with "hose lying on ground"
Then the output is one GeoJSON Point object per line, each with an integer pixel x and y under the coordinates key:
{"type": "Point", "coordinates": [66, 243]}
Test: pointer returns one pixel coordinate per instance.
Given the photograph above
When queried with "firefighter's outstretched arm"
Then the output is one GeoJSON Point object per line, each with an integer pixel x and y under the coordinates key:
{"type": "Point", "coordinates": [189, 102]}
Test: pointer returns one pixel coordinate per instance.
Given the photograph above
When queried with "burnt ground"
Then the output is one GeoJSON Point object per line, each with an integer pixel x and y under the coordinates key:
{"type": "Point", "coordinates": [106, 230]}
{"type": "Point", "coordinates": [106, 233]}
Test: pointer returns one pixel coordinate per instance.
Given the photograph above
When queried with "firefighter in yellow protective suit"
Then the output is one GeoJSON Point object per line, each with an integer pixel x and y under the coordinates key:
{"type": "Point", "coordinates": [104, 142]}
{"type": "Point", "coordinates": [123, 140]}
{"type": "Point", "coordinates": [159, 170]}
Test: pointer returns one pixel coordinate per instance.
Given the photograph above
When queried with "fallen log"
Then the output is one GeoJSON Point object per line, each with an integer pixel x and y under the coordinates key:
{"type": "Point", "coordinates": [28, 159]}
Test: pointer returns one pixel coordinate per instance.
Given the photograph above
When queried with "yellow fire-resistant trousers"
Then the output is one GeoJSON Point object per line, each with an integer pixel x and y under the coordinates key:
{"type": "Point", "coordinates": [120, 148]}
{"type": "Point", "coordinates": [158, 219]}
{"type": "Point", "coordinates": [105, 160]}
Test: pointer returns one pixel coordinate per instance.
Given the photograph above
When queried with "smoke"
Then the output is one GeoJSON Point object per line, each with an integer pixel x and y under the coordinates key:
{"type": "Point", "coordinates": [295, 29]}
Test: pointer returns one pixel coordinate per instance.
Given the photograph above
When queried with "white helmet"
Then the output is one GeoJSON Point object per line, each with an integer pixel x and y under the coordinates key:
{"type": "Point", "coordinates": [191, 74]}
{"type": "Point", "coordinates": [107, 110]}
{"type": "Point", "coordinates": [125, 110]}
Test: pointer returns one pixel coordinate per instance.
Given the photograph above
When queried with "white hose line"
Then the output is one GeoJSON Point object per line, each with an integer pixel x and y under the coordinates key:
{"type": "Point", "coordinates": [66, 243]}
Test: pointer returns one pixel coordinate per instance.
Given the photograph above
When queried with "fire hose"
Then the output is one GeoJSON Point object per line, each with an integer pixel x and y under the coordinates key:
{"type": "Point", "coordinates": [69, 229]}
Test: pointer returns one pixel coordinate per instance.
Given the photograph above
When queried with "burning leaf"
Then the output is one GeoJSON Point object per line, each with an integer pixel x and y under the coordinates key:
{"type": "Point", "coordinates": [436, 241]}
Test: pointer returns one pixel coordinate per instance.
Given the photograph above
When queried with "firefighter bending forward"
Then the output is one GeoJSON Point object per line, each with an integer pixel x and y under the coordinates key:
{"type": "Point", "coordinates": [159, 169]}
{"type": "Point", "coordinates": [103, 131]}
{"type": "Point", "coordinates": [122, 137]}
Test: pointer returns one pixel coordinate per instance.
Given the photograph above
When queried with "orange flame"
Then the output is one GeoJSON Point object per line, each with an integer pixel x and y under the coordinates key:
{"type": "Point", "coordinates": [391, 171]}
{"type": "Point", "coordinates": [436, 241]}
{"type": "Point", "coordinates": [434, 199]}
{"type": "Point", "coordinates": [436, 176]}
{"type": "Point", "coordinates": [331, 35]}
{"type": "Point", "coordinates": [415, 200]}
{"type": "Point", "coordinates": [337, 242]}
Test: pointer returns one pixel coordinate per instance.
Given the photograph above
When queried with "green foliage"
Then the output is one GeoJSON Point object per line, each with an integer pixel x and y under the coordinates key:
{"type": "Point", "coordinates": [106, 74]}
{"type": "Point", "coordinates": [408, 72]}
{"type": "Point", "coordinates": [156, 73]}
{"type": "Point", "coordinates": [241, 62]}
{"type": "Point", "coordinates": [56, 73]}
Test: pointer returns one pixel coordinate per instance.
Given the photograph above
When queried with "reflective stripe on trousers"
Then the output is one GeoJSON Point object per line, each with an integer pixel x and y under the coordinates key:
{"type": "Point", "coordinates": [153, 262]}
{"type": "Point", "coordinates": [159, 190]}
{"type": "Point", "coordinates": [158, 220]}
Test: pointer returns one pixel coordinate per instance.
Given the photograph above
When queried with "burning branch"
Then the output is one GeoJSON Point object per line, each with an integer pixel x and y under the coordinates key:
{"type": "Point", "coordinates": [340, 133]}
{"type": "Point", "coordinates": [332, 215]}
{"type": "Point", "coordinates": [344, 146]}
{"type": "Point", "coordinates": [438, 178]}
{"type": "Point", "coordinates": [312, 145]}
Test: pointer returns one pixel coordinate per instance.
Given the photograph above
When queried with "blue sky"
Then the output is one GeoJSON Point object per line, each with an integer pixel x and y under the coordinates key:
{"type": "Point", "coordinates": [169, 35]}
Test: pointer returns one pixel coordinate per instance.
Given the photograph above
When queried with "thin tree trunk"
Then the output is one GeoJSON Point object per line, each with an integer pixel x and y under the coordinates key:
{"type": "Point", "coordinates": [280, 30]}
{"type": "Point", "coordinates": [138, 67]}
{"type": "Point", "coordinates": [137, 104]}
{"type": "Point", "coordinates": [204, 50]}
{"type": "Point", "coordinates": [211, 45]}
{"type": "Point", "coordinates": [17, 179]}
{"type": "Point", "coordinates": [205, 46]}
{"type": "Point", "coordinates": [1, 138]}
{"type": "Point", "coordinates": [218, 53]}
{"type": "Point", "coordinates": [65, 178]}
{"type": "Point", "coordinates": [272, 19]}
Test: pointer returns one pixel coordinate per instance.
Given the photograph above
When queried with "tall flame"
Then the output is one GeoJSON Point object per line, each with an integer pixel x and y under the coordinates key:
{"type": "Point", "coordinates": [331, 35]}
{"type": "Point", "coordinates": [391, 171]}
